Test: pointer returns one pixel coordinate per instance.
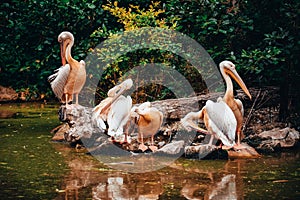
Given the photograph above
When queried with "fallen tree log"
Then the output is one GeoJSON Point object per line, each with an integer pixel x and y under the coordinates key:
{"type": "Point", "coordinates": [175, 109]}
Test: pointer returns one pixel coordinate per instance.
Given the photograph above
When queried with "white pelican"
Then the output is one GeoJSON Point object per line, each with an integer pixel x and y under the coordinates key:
{"type": "Point", "coordinates": [115, 109]}
{"type": "Point", "coordinates": [69, 78]}
{"type": "Point", "coordinates": [219, 121]}
{"type": "Point", "coordinates": [149, 121]}
{"type": "Point", "coordinates": [227, 69]}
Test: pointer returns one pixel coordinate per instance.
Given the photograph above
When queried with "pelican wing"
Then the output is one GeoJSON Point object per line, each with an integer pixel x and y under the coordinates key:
{"type": "Point", "coordinates": [99, 115]}
{"type": "Point", "coordinates": [150, 121]}
{"type": "Point", "coordinates": [59, 79]}
{"type": "Point", "coordinates": [100, 123]}
{"type": "Point", "coordinates": [119, 115]}
{"type": "Point", "coordinates": [222, 121]}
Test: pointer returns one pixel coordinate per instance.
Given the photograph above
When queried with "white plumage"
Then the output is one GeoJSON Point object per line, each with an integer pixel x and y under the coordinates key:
{"type": "Point", "coordinates": [115, 109]}
{"type": "Point", "coordinates": [119, 115]}
{"type": "Point", "coordinates": [59, 80]}
{"type": "Point", "coordinates": [219, 121]}
{"type": "Point", "coordinates": [222, 122]}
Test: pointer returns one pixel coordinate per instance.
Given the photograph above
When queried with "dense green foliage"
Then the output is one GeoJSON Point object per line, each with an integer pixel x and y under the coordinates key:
{"type": "Point", "coordinates": [261, 37]}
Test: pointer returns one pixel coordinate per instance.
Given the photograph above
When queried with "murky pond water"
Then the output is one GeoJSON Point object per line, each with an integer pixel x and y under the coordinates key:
{"type": "Point", "coordinates": [32, 167]}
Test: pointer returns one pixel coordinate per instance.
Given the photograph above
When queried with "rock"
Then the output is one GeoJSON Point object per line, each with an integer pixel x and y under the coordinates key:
{"type": "Point", "coordinates": [204, 151]}
{"type": "Point", "coordinates": [80, 120]}
{"type": "Point", "coordinates": [8, 94]}
{"type": "Point", "coordinates": [247, 152]}
{"type": "Point", "coordinates": [109, 149]}
{"type": "Point", "coordinates": [173, 148]}
{"type": "Point", "coordinates": [60, 132]}
{"type": "Point", "coordinates": [77, 126]}
{"type": "Point", "coordinates": [275, 139]}
{"type": "Point", "coordinates": [202, 148]}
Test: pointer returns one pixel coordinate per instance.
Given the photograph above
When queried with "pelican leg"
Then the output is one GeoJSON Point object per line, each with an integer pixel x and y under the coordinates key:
{"type": "Point", "coordinates": [224, 147]}
{"type": "Point", "coordinates": [152, 147]}
{"type": "Point", "coordinates": [126, 127]}
{"type": "Point", "coordinates": [76, 102]}
{"type": "Point", "coordinates": [238, 145]}
{"type": "Point", "coordinates": [125, 138]}
{"type": "Point", "coordinates": [142, 146]}
{"type": "Point", "coordinates": [211, 140]}
{"type": "Point", "coordinates": [76, 99]}
{"type": "Point", "coordinates": [67, 105]}
{"type": "Point", "coordinates": [238, 138]}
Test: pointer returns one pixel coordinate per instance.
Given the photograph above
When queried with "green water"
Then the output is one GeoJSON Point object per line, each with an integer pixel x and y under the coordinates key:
{"type": "Point", "coordinates": [32, 167]}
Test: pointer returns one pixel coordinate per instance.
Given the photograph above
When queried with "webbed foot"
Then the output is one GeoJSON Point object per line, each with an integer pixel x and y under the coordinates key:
{"type": "Point", "coordinates": [153, 148]}
{"type": "Point", "coordinates": [143, 147]}
{"type": "Point", "coordinates": [239, 146]}
{"type": "Point", "coordinates": [224, 147]}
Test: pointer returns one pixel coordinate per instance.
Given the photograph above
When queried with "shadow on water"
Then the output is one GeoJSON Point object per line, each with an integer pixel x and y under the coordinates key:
{"type": "Point", "coordinates": [33, 168]}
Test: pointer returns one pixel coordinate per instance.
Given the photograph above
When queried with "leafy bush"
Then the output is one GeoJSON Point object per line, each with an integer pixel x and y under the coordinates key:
{"type": "Point", "coordinates": [29, 48]}
{"type": "Point", "coordinates": [142, 53]}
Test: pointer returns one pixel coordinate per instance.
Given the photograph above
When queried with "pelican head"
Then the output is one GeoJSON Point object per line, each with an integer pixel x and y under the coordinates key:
{"type": "Point", "coordinates": [228, 68]}
{"type": "Point", "coordinates": [119, 89]}
{"type": "Point", "coordinates": [65, 39]}
{"type": "Point", "coordinates": [127, 84]}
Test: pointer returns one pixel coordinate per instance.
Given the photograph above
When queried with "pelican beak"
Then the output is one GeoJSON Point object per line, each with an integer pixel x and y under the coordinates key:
{"type": "Point", "coordinates": [233, 73]}
{"type": "Point", "coordinates": [123, 87]}
{"type": "Point", "coordinates": [63, 53]}
{"type": "Point", "coordinates": [127, 84]}
{"type": "Point", "coordinates": [119, 93]}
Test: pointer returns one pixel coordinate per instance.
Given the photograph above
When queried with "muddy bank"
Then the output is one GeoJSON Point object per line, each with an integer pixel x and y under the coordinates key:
{"type": "Point", "coordinates": [10, 95]}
